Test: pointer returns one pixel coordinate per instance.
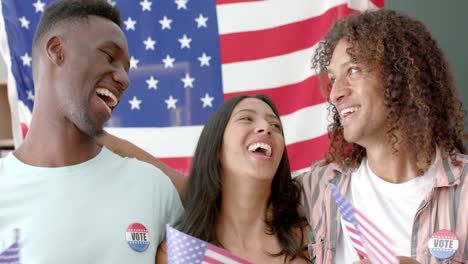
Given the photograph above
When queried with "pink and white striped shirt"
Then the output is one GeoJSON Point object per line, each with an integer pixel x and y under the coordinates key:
{"type": "Point", "coordinates": [444, 207]}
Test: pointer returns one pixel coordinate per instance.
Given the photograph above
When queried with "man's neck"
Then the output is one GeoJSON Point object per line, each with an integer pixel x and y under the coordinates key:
{"type": "Point", "coordinates": [393, 168]}
{"type": "Point", "coordinates": [56, 144]}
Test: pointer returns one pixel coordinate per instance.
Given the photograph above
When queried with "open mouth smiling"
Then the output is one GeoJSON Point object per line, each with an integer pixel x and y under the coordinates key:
{"type": "Point", "coordinates": [349, 110]}
{"type": "Point", "coordinates": [109, 99]}
{"type": "Point", "coordinates": [261, 148]}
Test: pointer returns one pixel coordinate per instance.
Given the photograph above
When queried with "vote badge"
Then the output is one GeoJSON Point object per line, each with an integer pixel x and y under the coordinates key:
{"type": "Point", "coordinates": [443, 244]}
{"type": "Point", "coordinates": [137, 237]}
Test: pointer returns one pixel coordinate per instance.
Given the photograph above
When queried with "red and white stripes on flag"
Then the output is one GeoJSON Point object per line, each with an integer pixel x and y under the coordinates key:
{"type": "Point", "coordinates": [267, 47]}
{"type": "Point", "coordinates": [355, 238]}
{"type": "Point", "coordinates": [368, 240]}
{"type": "Point", "coordinates": [216, 255]}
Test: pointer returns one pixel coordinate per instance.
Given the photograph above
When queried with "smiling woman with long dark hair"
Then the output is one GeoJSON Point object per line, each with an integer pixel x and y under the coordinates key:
{"type": "Point", "coordinates": [240, 194]}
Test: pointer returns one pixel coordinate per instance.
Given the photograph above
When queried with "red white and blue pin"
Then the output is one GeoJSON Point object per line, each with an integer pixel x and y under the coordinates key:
{"type": "Point", "coordinates": [443, 244]}
{"type": "Point", "coordinates": [137, 237]}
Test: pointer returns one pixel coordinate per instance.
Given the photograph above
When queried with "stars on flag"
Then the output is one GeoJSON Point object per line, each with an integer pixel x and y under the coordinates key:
{"type": "Point", "coordinates": [130, 24]}
{"type": "Point", "coordinates": [39, 6]}
{"type": "Point", "coordinates": [146, 5]}
{"type": "Point", "coordinates": [134, 63]}
{"type": "Point", "coordinates": [152, 83]}
{"type": "Point", "coordinates": [207, 101]}
{"type": "Point", "coordinates": [171, 49]}
{"type": "Point", "coordinates": [171, 102]}
{"type": "Point", "coordinates": [185, 42]}
{"type": "Point", "coordinates": [183, 248]}
{"type": "Point", "coordinates": [165, 23]}
{"type": "Point", "coordinates": [168, 62]}
{"type": "Point", "coordinates": [30, 95]}
{"type": "Point", "coordinates": [201, 21]}
{"type": "Point", "coordinates": [181, 4]}
{"type": "Point", "coordinates": [188, 81]}
{"type": "Point", "coordinates": [149, 43]}
{"type": "Point", "coordinates": [112, 3]}
{"type": "Point", "coordinates": [204, 60]}
{"type": "Point", "coordinates": [134, 103]}
{"type": "Point", "coordinates": [26, 59]}
{"type": "Point", "coordinates": [24, 22]}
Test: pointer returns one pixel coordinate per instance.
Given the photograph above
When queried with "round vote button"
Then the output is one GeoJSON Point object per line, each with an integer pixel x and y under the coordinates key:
{"type": "Point", "coordinates": [443, 244]}
{"type": "Point", "coordinates": [137, 237]}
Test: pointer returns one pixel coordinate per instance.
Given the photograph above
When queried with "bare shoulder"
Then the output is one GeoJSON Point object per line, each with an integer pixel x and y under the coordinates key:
{"type": "Point", "coordinates": [299, 261]}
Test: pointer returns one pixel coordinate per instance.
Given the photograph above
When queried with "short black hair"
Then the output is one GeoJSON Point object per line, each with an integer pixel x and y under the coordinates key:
{"type": "Point", "coordinates": [69, 10]}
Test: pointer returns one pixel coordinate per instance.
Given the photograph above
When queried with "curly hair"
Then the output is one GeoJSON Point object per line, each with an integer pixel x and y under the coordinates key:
{"type": "Point", "coordinates": [420, 96]}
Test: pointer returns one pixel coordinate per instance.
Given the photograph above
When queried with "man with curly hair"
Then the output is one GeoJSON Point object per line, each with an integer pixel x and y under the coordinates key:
{"type": "Point", "coordinates": [72, 200]}
{"type": "Point", "coordinates": [396, 149]}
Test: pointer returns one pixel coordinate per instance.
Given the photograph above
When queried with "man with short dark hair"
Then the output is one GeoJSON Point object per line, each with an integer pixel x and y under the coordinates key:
{"type": "Point", "coordinates": [396, 148]}
{"type": "Point", "coordinates": [73, 201]}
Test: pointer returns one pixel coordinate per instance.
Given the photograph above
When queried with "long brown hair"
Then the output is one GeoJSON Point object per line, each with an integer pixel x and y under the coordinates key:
{"type": "Point", "coordinates": [203, 196]}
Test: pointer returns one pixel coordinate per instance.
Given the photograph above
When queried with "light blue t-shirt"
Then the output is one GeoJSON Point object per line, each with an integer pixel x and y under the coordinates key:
{"type": "Point", "coordinates": [84, 213]}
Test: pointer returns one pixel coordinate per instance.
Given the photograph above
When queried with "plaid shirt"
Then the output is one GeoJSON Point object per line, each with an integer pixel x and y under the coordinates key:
{"type": "Point", "coordinates": [444, 207]}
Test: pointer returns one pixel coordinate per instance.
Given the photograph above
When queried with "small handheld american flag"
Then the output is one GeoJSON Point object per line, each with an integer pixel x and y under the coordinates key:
{"type": "Point", "coordinates": [368, 240]}
{"type": "Point", "coordinates": [183, 248]}
{"type": "Point", "coordinates": [11, 255]}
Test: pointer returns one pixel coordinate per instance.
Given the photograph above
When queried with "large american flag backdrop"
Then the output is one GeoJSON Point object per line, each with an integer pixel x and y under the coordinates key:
{"type": "Point", "coordinates": [187, 57]}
